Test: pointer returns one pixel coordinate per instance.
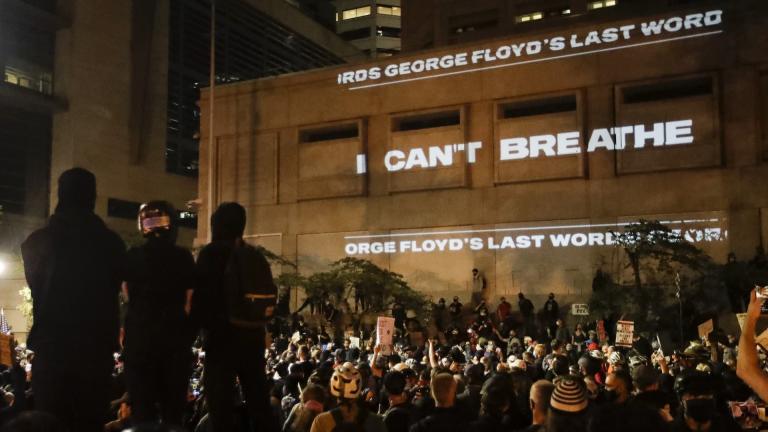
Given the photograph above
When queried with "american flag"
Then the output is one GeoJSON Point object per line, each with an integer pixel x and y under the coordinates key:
{"type": "Point", "coordinates": [4, 327]}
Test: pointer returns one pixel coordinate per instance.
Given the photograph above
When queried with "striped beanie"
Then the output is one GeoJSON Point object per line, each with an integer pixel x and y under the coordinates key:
{"type": "Point", "coordinates": [569, 395]}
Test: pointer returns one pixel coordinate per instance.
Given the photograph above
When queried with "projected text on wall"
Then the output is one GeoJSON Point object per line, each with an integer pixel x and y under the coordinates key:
{"type": "Point", "coordinates": [567, 143]}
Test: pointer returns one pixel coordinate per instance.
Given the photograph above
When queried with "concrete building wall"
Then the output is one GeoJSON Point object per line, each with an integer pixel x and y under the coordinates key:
{"type": "Point", "coordinates": [94, 72]}
{"type": "Point", "coordinates": [306, 201]}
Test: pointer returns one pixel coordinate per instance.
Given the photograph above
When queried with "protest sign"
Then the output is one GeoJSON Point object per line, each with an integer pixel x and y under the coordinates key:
{"type": "Point", "coordinates": [385, 328]}
{"type": "Point", "coordinates": [705, 329]}
{"type": "Point", "coordinates": [354, 342]}
{"type": "Point", "coordinates": [296, 337]}
{"type": "Point", "coordinates": [579, 309]}
{"type": "Point", "coordinates": [762, 340]}
{"type": "Point", "coordinates": [625, 331]}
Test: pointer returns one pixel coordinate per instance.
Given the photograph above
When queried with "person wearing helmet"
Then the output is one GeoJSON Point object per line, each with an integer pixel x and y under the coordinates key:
{"type": "Point", "coordinates": [699, 409]}
{"type": "Point", "coordinates": [346, 385]}
{"type": "Point", "coordinates": [159, 282]}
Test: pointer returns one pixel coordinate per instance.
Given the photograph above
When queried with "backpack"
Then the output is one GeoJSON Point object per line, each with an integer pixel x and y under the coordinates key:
{"type": "Point", "coordinates": [251, 292]}
{"type": "Point", "coordinates": [342, 426]}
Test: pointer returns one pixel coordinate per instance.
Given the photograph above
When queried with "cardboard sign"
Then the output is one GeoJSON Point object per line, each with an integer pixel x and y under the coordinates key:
{"type": "Point", "coordinates": [580, 309]}
{"type": "Point", "coordinates": [625, 331]}
{"type": "Point", "coordinates": [354, 342]}
{"type": "Point", "coordinates": [6, 353]}
{"type": "Point", "coordinates": [385, 329]}
{"type": "Point", "coordinates": [762, 340]}
{"type": "Point", "coordinates": [705, 328]}
{"type": "Point", "coordinates": [741, 318]}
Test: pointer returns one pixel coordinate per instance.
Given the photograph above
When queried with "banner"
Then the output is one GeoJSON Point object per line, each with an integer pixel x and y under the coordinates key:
{"type": "Point", "coordinates": [625, 331]}
{"type": "Point", "coordinates": [705, 329]}
{"type": "Point", "coordinates": [579, 309]}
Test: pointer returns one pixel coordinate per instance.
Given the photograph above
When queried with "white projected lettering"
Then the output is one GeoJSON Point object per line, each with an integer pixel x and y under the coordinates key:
{"type": "Point", "coordinates": [450, 242]}
{"type": "Point", "coordinates": [432, 157]}
{"type": "Point", "coordinates": [557, 46]}
{"type": "Point", "coordinates": [549, 145]}
{"type": "Point", "coordinates": [615, 138]}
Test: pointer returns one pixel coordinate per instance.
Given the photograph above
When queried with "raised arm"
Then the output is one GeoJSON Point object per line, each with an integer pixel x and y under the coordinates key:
{"type": "Point", "coordinates": [747, 366]}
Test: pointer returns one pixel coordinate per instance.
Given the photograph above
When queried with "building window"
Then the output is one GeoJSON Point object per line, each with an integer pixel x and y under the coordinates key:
{"type": "Point", "coordinates": [388, 10]}
{"type": "Point", "coordinates": [601, 4]}
{"type": "Point", "coordinates": [388, 32]}
{"type": "Point", "coordinates": [356, 13]}
{"type": "Point", "coordinates": [533, 16]}
{"type": "Point", "coordinates": [29, 76]}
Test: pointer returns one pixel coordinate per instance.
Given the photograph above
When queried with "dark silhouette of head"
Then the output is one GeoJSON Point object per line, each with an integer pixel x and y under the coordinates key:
{"type": "Point", "coordinates": [228, 222]}
{"type": "Point", "coordinates": [34, 421]}
{"type": "Point", "coordinates": [77, 190]}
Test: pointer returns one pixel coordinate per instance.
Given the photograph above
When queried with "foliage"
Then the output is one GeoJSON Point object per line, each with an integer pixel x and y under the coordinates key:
{"type": "Point", "coordinates": [380, 287]}
{"type": "Point", "coordinates": [662, 264]}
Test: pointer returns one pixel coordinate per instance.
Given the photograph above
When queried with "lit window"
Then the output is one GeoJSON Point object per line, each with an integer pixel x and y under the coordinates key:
{"type": "Point", "coordinates": [388, 10]}
{"type": "Point", "coordinates": [601, 4]}
{"type": "Point", "coordinates": [534, 16]}
{"type": "Point", "coordinates": [356, 13]}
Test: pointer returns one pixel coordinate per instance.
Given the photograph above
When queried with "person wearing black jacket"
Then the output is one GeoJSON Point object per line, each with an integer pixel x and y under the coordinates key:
{"type": "Point", "coordinates": [445, 417]}
{"type": "Point", "coordinates": [232, 350]}
{"type": "Point", "coordinates": [73, 267]}
{"type": "Point", "coordinates": [159, 282]}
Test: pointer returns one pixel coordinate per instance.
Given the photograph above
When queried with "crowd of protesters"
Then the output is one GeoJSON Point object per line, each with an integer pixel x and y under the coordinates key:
{"type": "Point", "coordinates": [194, 356]}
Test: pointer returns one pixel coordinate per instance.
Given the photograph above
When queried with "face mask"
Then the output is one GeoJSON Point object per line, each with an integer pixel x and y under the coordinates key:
{"type": "Point", "coordinates": [700, 410]}
{"type": "Point", "coordinates": [610, 396]}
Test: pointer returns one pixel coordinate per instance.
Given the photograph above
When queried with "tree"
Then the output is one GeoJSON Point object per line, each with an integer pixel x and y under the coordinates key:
{"type": "Point", "coordinates": [657, 256]}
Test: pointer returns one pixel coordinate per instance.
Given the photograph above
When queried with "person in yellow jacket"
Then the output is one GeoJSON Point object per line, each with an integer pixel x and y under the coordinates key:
{"type": "Point", "coordinates": [350, 415]}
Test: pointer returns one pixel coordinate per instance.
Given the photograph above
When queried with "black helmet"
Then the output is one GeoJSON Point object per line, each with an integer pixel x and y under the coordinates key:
{"type": "Point", "coordinates": [157, 219]}
{"type": "Point", "coordinates": [694, 383]}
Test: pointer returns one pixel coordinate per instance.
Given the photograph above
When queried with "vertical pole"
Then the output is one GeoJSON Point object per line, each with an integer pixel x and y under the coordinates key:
{"type": "Point", "coordinates": [212, 154]}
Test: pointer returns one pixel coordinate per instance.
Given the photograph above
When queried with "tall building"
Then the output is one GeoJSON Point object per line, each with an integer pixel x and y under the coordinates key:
{"type": "Point", "coordinates": [27, 106]}
{"type": "Point", "coordinates": [113, 86]}
{"type": "Point", "coordinates": [373, 26]}
{"type": "Point", "coordinates": [517, 155]}
{"type": "Point", "coordinates": [437, 23]}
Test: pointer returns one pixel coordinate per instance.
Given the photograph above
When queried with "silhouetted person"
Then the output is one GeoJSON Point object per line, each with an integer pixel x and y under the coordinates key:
{"type": "Point", "coordinates": [160, 279]}
{"type": "Point", "coordinates": [234, 348]}
{"type": "Point", "coordinates": [73, 267]}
